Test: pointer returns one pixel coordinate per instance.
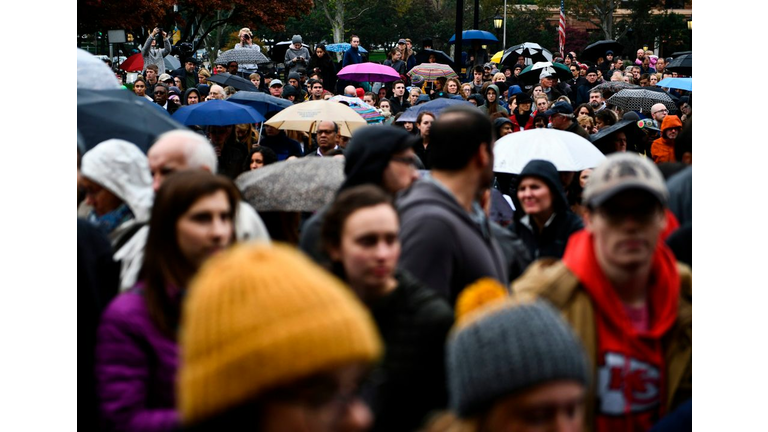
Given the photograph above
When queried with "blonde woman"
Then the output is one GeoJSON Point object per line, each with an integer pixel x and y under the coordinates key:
{"type": "Point", "coordinates": [203, 76]}
{"type": "Point", "coordinates": [466, 90]}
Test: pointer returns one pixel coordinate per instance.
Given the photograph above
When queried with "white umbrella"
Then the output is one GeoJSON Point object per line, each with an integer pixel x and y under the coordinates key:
{"type": "Point", "coordinates": [93, 73]}
{"type": "Point", "coordinates": [566, 150]}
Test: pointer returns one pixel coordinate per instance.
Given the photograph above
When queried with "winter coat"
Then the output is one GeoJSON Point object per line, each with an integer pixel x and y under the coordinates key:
{"type": "Point", "coordinates": [551, 241]}
{"type": "Point", "coordinates": [552, 280]}
{"type": "Point", "coordinates": [189, 92]}
{"type": "Point", "coordinates": [444, 246]}
{"type": "Point", "coordinates": [578, 130]}
{"type": "Point", "coordinates": [292, 62]}
{"type": "Point", "coordinates": [351, 56]}
{"type": "Point", "coordinates": [155, 56]}
{"type": "Point", "coordinates": [232, 158]}
{"type": "Point", "coordinates": [98, 278]}
{"type": "Point", "coordinates": [680, 188]}
{"type": "Point", "coordinates": [283, 146]}
{"type": "Point", "coordinates": [135, 368]}
{"type": "Point", "coordinates": [188, 79]}
{"type": "Point", "coordinates": [409, 382]}
{"type": "Point", "coordinates": [517, 127]}
{"type": "Point", "coordinates": [663, 149]}
{"type": "Point", "coordinates": [327, 70]}
{"type": "Point", "coordinates": [123, 169]}
{"type": "Point", "coordinates": [582, 92]}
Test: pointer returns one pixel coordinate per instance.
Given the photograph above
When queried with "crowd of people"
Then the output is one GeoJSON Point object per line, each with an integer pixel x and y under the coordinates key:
{"type": "Point", "coordinates": [430, 294]}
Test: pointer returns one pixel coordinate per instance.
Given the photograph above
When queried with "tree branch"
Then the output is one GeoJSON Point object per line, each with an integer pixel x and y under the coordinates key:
{"type": "Point", "coordinates": [359, 14]}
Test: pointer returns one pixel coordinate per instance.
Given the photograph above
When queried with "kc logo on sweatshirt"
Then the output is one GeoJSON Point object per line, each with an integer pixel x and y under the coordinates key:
{"type": "Point", "coordinates": [627, 385]}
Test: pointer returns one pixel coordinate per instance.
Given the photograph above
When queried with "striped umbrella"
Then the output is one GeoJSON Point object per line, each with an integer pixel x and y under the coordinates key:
{"type": "Point", "coordinates": [432, 71]}
{"type": "Point", "coordinates": [369, 113]}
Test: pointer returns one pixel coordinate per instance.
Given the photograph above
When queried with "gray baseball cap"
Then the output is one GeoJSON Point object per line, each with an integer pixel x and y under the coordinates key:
{"type": "Point", "coordinates": [620, 172]}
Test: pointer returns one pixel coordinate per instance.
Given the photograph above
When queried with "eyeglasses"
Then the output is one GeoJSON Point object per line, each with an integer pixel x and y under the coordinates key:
{"type": "Point", "coordinates": [325, 132]}
{"type": "Point", "coordinates": [660, 111]}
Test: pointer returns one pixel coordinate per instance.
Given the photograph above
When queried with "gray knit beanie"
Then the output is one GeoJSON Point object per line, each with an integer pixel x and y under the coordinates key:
{"type": "Point", "coordinates": [509, 349]}
{"type": "Point", "coordinates": [296, 39]}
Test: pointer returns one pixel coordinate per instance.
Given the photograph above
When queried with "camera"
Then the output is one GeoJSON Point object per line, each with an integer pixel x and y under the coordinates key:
{"type": "Point", "coordinates": [246, 36]}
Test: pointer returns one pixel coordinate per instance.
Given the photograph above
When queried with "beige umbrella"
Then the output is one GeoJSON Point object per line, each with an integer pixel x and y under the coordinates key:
{"type": "Point", "coordinates": [304, 116]}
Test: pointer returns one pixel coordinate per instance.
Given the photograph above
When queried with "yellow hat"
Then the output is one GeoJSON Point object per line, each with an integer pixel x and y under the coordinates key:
{"type": "Point", "coordinates": [260, 316]}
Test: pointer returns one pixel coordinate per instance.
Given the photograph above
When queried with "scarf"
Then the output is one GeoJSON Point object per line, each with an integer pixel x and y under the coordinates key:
{"type": "Point", "coordinates": [109, 221]}
{"type": "Point", "coordinates": [630, 363]}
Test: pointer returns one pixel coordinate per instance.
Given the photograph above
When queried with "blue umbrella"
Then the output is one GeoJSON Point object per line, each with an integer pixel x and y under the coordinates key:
{"type": "Point", "coordinates": [677, 83]}
{"type": "Point", "coordinates": [261, 102]}
{"type": "Point", "coordinates": [474, 35]}
{"type": "Point", "coordinates": [341, 47]}
{"type": "Point", "coordinates": [216, 113]}
{"type": "Point", "coordinates": [434, 106]}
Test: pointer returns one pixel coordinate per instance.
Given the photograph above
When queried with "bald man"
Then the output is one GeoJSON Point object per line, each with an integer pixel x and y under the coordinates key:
{"type": "Point", "coordinates": [180, 150]}
{"type": "Point", "coordinates": [658, 112]}
{"type": "Point", "coordinates": [350, 91]}
{"type": "Point", "coordinates": [326, 132]}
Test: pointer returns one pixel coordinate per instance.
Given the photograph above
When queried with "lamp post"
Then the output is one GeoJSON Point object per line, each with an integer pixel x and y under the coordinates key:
{"type": "Point", "coordinates": [497, 23]}
{"type": "Point", "coordinates": [504, 37]}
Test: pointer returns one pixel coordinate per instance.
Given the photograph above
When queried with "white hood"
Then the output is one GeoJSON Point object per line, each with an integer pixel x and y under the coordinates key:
{"type": "Point", "coordinates": [123, 169]}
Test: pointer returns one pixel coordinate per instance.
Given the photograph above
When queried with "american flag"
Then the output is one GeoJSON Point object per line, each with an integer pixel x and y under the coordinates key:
{"type": "Point", "coordinates": [561, 29]}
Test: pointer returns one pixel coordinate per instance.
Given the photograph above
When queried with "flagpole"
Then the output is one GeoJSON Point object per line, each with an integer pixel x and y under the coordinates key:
{"type": "Point", "coordinates": [504, 38]}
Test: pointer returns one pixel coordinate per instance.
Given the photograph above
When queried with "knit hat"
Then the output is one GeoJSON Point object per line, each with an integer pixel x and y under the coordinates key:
{"type": "Point", "coordinates": [523, 98]}
{"type": "Point", "coordinates": [360, 92]}
{"type": "Point", "coordinates": [507, 347]}
{"type": "Point", "coordinates": [262, 316]}
{"type": "Point", "coordinates": [294, 75]}
{"type": "Point", "coordinates": [369, 151]}
{"type": "Point", "coordinates": [296, 39]}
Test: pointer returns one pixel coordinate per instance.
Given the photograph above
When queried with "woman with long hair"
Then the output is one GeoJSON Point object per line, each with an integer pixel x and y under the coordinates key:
{"type": "Point", "coordinates": [453, 86]}
{"type": "Point", "coordinates": [136, 351]}
{"type": "Point", "coordinates": [321, 62]}
{"type": "Point", "coordinates": [140, 88]}
{"type": "Point", "coordinates": [360, 234]}
{"type": "Point", "coordinates": [260, 157]}
{"type": "Point", "coordinates": [247, 135]}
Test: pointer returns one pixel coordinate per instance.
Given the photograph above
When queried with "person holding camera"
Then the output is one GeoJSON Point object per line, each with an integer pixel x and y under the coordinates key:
{"type": "Point", "coordinates": [152, 54]}
{"type": "Point", "coordinates": [246, 42]}
{"type": "Point", "coordinates": [297, 56]}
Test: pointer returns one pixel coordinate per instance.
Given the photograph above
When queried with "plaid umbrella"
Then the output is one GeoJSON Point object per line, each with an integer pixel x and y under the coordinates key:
{"type": "Point", "coordinates": [432, 71]}
{"type": "Point", "coordinates": [369, 113]}
{"type": "Point", "coordinates": [303, 185]}
{"type": "Point", "coordinates": [242, 56]}
{"type": "Point", "coordinates": [640, 99]}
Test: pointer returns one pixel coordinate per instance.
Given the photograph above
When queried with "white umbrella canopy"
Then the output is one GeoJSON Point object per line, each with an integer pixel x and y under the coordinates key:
{"type": "Point", "coordinates": [94, 74]}
{"type": "Point", "coordinates": [566, 150]}
{"type": "Point", "coordinates": [304, 116]}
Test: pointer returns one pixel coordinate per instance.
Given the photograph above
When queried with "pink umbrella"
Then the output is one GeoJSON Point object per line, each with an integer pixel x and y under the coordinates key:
{"type": "Point", "coordinates": [369, 72]}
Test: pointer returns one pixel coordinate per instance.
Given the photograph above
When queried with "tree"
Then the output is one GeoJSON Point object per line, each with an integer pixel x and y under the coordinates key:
{"type": "Point", "coordinates": [601, 12]}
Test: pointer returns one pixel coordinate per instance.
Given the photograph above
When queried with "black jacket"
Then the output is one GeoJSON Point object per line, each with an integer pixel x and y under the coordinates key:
{"type": "Point", "coordinates": [189, 80]}
{"type": "Point", "coordinates": [551, 241]}
{"type": "Point", "coordinates": [409, 382]}
{"type": "Point", "coordinates": [283, 146]}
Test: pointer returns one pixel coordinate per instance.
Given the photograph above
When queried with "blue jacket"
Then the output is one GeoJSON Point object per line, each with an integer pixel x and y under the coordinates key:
{"type": "Point", "coordinates": [352, 56]}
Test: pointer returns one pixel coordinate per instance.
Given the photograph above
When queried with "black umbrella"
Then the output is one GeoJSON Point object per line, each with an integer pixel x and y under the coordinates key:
{"type": "Point", "coordinates": [598, 49]}
{"type": "Point", "coordinates": [106, 114]}
{"type": "Point", "coordinates": [225, 79]}
{"type": "Point", "coordinates": [440, 57]}
{"type": "Point", "coordinates": [602, 140]}
{"type": "Point", "coordinates": [682, 65]}
{"type": "Point", "coordinates": [640, 99]}
{"type": "Point", "coordinates": [530, 50]}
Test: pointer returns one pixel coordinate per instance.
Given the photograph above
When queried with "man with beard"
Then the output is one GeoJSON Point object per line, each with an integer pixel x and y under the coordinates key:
{"type": "Point", "coordinates": [596, 100]}
{"type": "Point", "coordinates": [582, 93]}
{"type": "Point", "coordinates": [446, 237]}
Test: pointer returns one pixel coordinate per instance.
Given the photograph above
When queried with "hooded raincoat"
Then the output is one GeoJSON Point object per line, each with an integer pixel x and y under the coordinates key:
{"type": "Point", "coordinates": [663, 149]}
{"type": "Point", "coordinates": [492, 107]}
{"type": "Point", "coordinates": [549, 241]}
{"type": "Point", "coordinates": [123, 169]}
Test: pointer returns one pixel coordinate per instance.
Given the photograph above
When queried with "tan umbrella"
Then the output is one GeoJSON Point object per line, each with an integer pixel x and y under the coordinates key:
{"type": "Point", "coordinates": [304, 116]}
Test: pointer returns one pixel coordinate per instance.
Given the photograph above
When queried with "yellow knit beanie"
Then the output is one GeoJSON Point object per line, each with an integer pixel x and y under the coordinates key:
{"type": "Point", "coordinates": [260, 316]}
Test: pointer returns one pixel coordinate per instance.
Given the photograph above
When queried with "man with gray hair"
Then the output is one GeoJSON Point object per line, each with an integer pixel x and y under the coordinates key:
{"type": "Point", "coordinates": [180, 150]}
{"type": "Point", "coordinates": [216, 92]}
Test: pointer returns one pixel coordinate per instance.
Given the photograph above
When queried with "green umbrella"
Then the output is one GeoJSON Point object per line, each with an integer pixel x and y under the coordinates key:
{"type": "Point", "coordinates": [530, 74]}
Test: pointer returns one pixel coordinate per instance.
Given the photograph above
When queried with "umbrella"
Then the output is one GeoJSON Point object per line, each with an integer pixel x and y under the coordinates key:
{"type": "Point", "coordinates": [676, 83]}
{"type": "Point", "coordinates": [261, 102]}
{"type": "Point", "coordinates": [369, 113]}
{"type": "Point", "coordinates": [628, 126]}
{"type": "Point", "coordinates": [434, 106]}
{"type": "Point", "coordinates": [497, 57]}
{"type": "Point", "coordinates": [303, 116]}
{"type": "Point", "coordinates": [566, 150]}
{"type": "Point", "coordinates": [474, 35]}
{"type": "Point", "coordinates": [614, 86]}
{"type": "Point", "coordinates": [368, 71]}
{"type": "Point", "coordinates": [432, 71]}
{"type": "Point", "coordinates": [106, 114]}
{"type": "Point", "coordinates": [682, 64]}
{"type": "Point", "coordinates": [440, 57]}
{"type": "Point", "coordinates": [341, 47]}
{"type": "Point", "coordinates": [502, 211]}
{"type": "Point", "coordinates": [217, 113]}
{"type": "Point", "coordinates": [530, 50]}
{"type": "Point", "coordinates": [225, 79]}
{"type": "Point", "coordinates": [640, 99]}
{"type": "Point", "coordinates": [134, 63]}
{"type": "Point", "coordinates": [94, 74]}
{"type": "Point", "coordinates": [531, 73]}
{"type": "Point", "coordinates": [598, 49]}
{"type": "Point", "coordinates": [242, 56]}
{"type": "Point", "coordinates": [301, 185]}
{"type": "Point", "coordinates": [171, 63]}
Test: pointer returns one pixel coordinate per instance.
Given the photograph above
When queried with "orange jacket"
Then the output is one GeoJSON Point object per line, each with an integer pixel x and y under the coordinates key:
{"type": "Point", "coordinates": [663, 149]}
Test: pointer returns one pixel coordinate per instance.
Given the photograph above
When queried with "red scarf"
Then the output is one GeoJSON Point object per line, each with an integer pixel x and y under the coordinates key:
{"type": "Point", "coordinates": [630, 380]}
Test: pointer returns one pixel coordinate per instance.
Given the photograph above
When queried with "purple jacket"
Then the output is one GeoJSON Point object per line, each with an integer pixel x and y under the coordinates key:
{"type": "Point", "coordinates": [135, 368]}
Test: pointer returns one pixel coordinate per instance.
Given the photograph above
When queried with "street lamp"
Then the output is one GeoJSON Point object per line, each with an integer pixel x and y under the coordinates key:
{"type": "Point", "coordinates": [690, 25]}
{"type": "Point", "coordinates": [497, 23]}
